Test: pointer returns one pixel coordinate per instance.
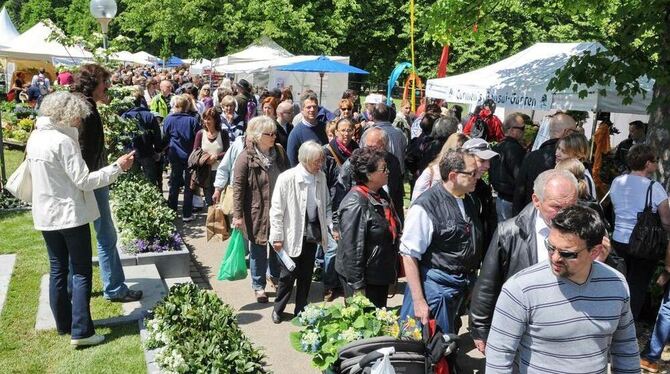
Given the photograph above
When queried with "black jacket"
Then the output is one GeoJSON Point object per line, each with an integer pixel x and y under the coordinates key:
{"type": "Point", "coordinates": [395, 186]}
{"type": "Point", "coordinates": [541, 159]}
{"type": "Point", "coordinates": [92, 139]}
{"type": "Point", "coordinates": [366, 252]}
{"type": "Point", "coordinates": [487, 210]}
{"type": "Point", "coordinates": [505, 168]}
{"type": "Point", "coordinates": [334, 163]}
{"type": "Point", "coordinates": [282, 135]}
{"type": "Point", "coordinates": [149, 141]}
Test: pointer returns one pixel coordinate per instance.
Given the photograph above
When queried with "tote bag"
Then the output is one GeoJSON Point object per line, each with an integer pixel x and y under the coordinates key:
{"type": "Point", "coordinates": [20, 183]}
{"type": "Point", "coordinates": [648, 239]}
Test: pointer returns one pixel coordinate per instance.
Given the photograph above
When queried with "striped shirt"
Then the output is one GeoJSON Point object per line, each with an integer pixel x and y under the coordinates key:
{"type": "Point", "coordinates": [547, 324]}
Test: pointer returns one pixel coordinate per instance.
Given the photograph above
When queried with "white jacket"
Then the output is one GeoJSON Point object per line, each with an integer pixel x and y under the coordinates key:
{"type": "Point", "coordinates": [288, 207]}
{"type": "Point", "coordinates": [62, 185]}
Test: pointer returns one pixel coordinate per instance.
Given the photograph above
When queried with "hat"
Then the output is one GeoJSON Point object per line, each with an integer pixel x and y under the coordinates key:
{"type": "Point", "coordinates": [244, 84]}
{"type": "Point", "coordinates": [374, 99]}
{"type": "Point", "coordinates": [480, 148]}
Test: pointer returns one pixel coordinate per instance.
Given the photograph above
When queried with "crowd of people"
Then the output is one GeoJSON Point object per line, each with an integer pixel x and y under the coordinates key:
{"type": "Point", "coordinates": [515, 238]}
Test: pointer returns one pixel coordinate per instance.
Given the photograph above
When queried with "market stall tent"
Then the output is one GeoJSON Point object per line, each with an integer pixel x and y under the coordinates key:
{"type": "Point", "coordinates": [520, 82]}
{"type": "Point", "coordinates": [7, 30]}
{"type": "Point", "coordinates": [261, 50]}
{"type": "Point", "coordinates": [145, 58]}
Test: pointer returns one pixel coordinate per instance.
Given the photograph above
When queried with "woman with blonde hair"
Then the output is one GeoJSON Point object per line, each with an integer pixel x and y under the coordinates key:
{"type": "Point", "coordinates": [575, 145]}
{"type": "Point", "coordinates": [255, 173]}
{"type": "Point", "coordinates": [431, 174]}
{"type": "Point", "coordinates": [63, 206]}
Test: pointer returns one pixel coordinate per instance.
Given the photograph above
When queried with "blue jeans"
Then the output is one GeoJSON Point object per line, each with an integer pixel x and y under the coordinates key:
{"type": "Point", "coordinates": [180, 176]}
{"type": "Point", "coordinates": [258, 265]}
{"type": "Point", "coordinates": [111, 272]}
{"type": "Point", "coordinates": [444, 295]}
{"type": "Point", "coordinates": [330, 279]}
{"type": "Point", "coordinates": [504, 209]}
{"type": "Point", "coordinates": [661, 333]}
{"type": "Point", "coordinates": [70, 248]}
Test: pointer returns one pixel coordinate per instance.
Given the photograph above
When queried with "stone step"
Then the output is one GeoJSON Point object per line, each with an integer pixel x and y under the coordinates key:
{"type": "Point", "coordinates": [138, 277]}
{"type": "Point", "coordinates": [6, 269]}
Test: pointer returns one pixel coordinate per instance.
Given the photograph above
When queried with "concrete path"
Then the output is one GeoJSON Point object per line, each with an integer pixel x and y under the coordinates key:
{"type": "Point", "coordinates": [6, 269]}
{"type": "Point", "coordinates": [254, 318]}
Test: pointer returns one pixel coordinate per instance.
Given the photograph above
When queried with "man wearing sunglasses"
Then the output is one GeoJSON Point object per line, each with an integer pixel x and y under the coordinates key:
{"type": "Point", "coordinates": [567, 314]}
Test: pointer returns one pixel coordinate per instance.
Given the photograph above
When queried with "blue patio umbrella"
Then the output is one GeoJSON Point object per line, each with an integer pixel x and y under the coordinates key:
{"type": "Point", "coordinates": [172, 62]}
{"type": "Point", "coordinates": [322, 65]}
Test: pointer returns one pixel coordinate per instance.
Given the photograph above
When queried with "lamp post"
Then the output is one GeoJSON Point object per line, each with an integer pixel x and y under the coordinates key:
{"type": "Point", "coordinates": [103, 11]}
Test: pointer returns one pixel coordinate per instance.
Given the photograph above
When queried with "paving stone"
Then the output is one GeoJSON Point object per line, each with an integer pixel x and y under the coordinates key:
{"type": "Point", "coordinates": [45, 319]}
{"type": "Point", "coordinates": [6, 268]}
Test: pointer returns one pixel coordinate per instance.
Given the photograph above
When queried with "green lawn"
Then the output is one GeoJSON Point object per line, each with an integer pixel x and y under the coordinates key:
{"type": "Point", "coordinates": [13, 159]}
{"type": "Point", "coordinates": [22, 349]}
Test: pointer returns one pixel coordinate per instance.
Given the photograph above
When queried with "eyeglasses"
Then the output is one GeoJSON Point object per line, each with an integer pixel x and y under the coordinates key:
{"type": "Point", "coordinates": [522, 128]}
{"type": "Point", "coordinates": [270, 134]}
{"type": "Point", "coordinates": [564, 254]}
{"type": "Point", "coordinates": [385, 169]}
{"type": "Point", "coordinates": [472, 173]}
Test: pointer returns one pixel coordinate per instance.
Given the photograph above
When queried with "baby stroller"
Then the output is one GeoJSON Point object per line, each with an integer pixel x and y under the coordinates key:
{"type": "Point", "coordinates": [406, 356]}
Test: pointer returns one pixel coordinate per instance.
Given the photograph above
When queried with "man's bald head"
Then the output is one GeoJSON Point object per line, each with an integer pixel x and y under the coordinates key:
{"type": "Point", "coordinates": [554, 190]}
{"type": "Point", "coordinates": [376, 138]}
{"type": "Point", "coordinates": [166, 87]}
{"type": "Point", "coordinates": [560, 125]}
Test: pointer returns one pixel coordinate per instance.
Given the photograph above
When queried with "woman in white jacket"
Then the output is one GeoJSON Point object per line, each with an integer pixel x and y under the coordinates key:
{"type": "Point", "coordinates": [64, 205]}
{"type": "Point", "coordinates": [300, 216]}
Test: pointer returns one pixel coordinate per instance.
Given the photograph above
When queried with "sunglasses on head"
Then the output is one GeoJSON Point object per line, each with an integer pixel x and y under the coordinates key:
{"type": "Point", "coordinates": [564, 254]}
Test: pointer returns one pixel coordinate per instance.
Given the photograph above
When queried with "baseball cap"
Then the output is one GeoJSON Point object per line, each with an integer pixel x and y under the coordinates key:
{"type": "Point", "coordinates": [480, 148]}
{"type": "Point", "coordinates": [374, 99]}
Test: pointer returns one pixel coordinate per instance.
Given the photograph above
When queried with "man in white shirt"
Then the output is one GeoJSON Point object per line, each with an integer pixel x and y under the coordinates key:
{"type": "Point", "coordinates": [518, 243]}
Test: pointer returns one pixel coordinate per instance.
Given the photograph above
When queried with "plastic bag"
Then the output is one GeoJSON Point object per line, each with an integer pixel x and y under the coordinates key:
{"type": "Point", "coordinates": [383, 366]}
{"type": "Point", "coordinates": [233, 266]}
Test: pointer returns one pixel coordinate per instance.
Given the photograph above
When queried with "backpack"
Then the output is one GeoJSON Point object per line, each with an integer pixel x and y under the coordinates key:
{"type": "Point", "coordinates": [480, 129]}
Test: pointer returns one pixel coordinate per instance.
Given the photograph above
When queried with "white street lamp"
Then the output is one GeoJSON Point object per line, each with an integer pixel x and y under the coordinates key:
{"type": "Point", "coordinates": [103, 11]}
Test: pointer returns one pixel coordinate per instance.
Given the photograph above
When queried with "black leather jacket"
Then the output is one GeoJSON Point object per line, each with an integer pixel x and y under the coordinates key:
{"type": "Point", "coordinates": [366, 253]}
{"type": "Point", "coordinates": [505, 169]}
{"type": "Point", "coordinates": [542, 159]}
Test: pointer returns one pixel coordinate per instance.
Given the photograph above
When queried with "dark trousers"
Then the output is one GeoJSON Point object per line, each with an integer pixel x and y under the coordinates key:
{"type": "Point", "coordinates": [639, 272]}
{"type": "Point", "coordinates": [65, 247]}
{"type": "Point", "coordinates": [209, 188]}
{"type": "Point", "coordinates": [180, 176]}
{"type": "Point", "coordinates": [378, 295]}
{"type": "Point", "coordinates": [150, 169]}
{"type": "Point", "coordinates": [301, 275]}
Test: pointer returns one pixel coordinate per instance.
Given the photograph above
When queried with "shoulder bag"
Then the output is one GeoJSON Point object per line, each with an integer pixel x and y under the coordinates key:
{"type": "Point", "coordinates": [648, 239]}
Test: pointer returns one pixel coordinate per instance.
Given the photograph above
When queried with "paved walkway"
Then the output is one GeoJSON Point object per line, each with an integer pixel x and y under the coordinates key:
{"type": "Point", "coordinates": [254, 318]}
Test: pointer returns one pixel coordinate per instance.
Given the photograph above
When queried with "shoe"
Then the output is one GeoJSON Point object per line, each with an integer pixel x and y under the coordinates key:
{"type": "Point", "coordinates": [272, 280]}
{"type": "Point", "coordinates": [649, 366]}
{"type": "Point", "coordinates": [261, 297]}
{"type": "Point", "coordinates": [276, 318]}
{"type": "Point", "coordinates": [128, 297]}
{"type": "Point", "coordinates": [188, 219]}
{"type": "Point", "coordinates": [91, 340]}
{"type": "Point", "coordinates": [332, 294]}
{"type": "Point", "coordinates": [318, 275]}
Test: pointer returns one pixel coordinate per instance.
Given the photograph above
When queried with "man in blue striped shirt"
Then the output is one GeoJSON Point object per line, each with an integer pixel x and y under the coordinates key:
{"type": "Point", "coordinates": [569, 314]}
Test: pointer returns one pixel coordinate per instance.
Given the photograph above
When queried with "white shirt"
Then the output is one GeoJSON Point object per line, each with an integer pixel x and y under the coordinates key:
{"type": "Point", "coordinates": [310, 181]}
{"type": "Point", "coordinates": [541, 233]}
{"type": "Point", "coordinates": [628, 194]}
{"type": "Point", "coordinates": [418, 230]}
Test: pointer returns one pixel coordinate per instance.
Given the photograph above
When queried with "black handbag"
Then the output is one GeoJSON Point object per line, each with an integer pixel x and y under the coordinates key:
{"type": "Point", "coordinates": [312, 230]}
{"type": "Point", "coordinates": [648, 239]}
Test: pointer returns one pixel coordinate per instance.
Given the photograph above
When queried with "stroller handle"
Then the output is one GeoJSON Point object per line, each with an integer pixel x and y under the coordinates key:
{"type": "Point", "coordinates": [375, 355]}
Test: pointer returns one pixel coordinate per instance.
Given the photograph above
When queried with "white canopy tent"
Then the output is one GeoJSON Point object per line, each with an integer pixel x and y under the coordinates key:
{"type": "Point", "coordinates": [129, 58]}
{"type": "Point", "coordinates": [520, 82]}
{"type": "Point", "coordinates": [34, 45]}
{"type": "Point", "coordinates": [145, 58]}
{"type": "Point", "coordinates": [7, 30]}
{"type": "Point", "coordinates": [260, 50]}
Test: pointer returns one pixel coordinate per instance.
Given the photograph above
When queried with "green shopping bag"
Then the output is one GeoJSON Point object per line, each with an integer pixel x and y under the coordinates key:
{"type": "Point", "coordinates": [233, 266]}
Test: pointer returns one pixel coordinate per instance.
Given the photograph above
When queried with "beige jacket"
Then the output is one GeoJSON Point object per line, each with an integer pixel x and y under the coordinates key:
{"type": "Point", "coordinates": [288, 207]}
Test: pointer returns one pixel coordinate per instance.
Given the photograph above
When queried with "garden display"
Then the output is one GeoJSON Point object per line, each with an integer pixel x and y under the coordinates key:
{"type": "Point", "coordinates": [327, 328]}
{"type": "Point", "coordinates": [193, 331]}
{"type": "Point", "coordinates": [18, 120]}
{"type": "Point", "coordinates": [9, 202]}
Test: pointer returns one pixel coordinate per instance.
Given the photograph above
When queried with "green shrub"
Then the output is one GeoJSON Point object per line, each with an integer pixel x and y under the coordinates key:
{"type": "Point", "coordinates": [195, 332]}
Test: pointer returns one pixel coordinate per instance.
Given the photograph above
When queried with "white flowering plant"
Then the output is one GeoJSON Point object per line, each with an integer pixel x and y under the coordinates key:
{"type": "Point", "coordinates": [327, 328]}
{"type": "Point", "coordinates": [193, 331]}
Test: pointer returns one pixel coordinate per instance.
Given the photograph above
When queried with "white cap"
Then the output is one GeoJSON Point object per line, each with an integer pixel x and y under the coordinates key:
{"type": "Point", "coordinates": [374, 99]}
{"type": "Point", "coordinates": [480, 148]}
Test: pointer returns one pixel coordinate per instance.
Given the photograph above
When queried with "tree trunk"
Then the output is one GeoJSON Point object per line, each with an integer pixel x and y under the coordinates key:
{"type": "Point", "coordinates": [659, 115]}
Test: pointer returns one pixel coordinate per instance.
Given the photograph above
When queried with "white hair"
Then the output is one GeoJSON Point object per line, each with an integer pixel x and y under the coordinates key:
{"type": "Point", "coordinates": [543, 179]}
{"type": "Point", "coordinates": [65, 109]}
{"type": "Point", "coordinates": [309, 151]}
{"type": "Point", "coordinates": [258, 125]}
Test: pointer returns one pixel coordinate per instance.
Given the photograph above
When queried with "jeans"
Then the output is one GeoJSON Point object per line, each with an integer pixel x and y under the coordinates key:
{"type": "Point", "coordinates": [444, 295]}
{"type": "Point", "coordinates": [180, 176]}
{"type": "Point", "coordinates": [111, 272]}
{"type": "Point", "coordinates": [504, 209]}
{"type": "Point", "coordinates": [330, 278]}
{"type": "Point", "coordinates": [639, 272]}
{"type": "Point", "coordinates": [661, 332]}
{"type": "Point", "coordinates": [70, 247]}
{"type": "Point", "coordinates": [261, 264]}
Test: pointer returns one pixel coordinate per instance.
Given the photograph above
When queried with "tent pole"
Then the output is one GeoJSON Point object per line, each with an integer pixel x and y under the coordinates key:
{"type": "Point", "coordinates": [593, 132]}
{"type": "Point", "coordinates": [3, 175]}
{"type": "Point", "coordinates": [321, 86]}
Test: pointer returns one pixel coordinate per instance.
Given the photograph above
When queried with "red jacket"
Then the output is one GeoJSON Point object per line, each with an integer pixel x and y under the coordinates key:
{"type": "Point", "coordinates": [495, 132]}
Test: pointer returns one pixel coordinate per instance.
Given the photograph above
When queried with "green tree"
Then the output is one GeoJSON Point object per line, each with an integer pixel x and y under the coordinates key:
{"type": "Point", "coordinates": [33, 11]}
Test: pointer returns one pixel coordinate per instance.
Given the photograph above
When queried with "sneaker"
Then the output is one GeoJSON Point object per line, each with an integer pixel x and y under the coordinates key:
{"type": "Point", "coordinates": [261, 297]}
{"type": "Point", "coordinates": [128, 297]}
{"type": "Point", "coordinates": [91, 340]}
{"type": "Point", "coordinates": [188, 219]}
{"type": "Point", "coordinates": [649, 366]}
{"type": "Point", "coordinates": [318, 275]}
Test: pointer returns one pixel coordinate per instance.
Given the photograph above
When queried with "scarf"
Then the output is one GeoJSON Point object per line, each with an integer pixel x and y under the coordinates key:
{"type": "Point", "coordinates": [389, 210]}
{"type": "Point", "coordinates": [268, 159]}
{"type": "Point", "coordinates": [346, 152]}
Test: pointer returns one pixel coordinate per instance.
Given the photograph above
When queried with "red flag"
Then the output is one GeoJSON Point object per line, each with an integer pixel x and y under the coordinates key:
{"type": "Point", "coordinates": [444, 60]}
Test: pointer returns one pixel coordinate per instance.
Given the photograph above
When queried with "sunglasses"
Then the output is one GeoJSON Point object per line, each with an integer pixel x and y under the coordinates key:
{"type": "Point", "coordinates": [522, 128]}
{"type": "Point", "coordinates": [345, 109]}
{"type": "Point", "coordinates": [472, 173]}
{"type": "Point", "coordinates": [270, 134]}
{"type": "Point", "coordinates": [564, 254]}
